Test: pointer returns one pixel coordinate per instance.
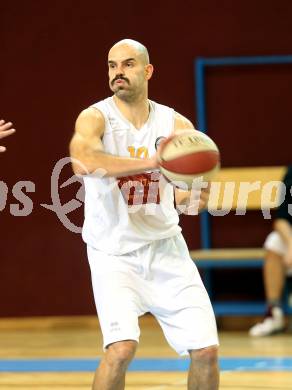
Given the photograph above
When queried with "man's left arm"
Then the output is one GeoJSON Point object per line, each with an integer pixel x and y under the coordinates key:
{"type": "Point", "coordinates": [190, 202]}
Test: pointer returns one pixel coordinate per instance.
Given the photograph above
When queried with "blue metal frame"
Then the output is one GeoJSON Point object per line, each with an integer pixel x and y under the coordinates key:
{"type": "Point", "coordinates": [224, 308]}
{"type": "Point", "coordinates": [227, 263]}
{"type": "Point", "coordinates": [200, 103]}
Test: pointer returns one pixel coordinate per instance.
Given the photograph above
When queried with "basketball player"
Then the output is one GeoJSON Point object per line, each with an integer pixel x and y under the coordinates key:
{"type": "Point", "coordinates": [138, 258]}
{"type": "Point", "coordinates": [278, 264]}
{"type": "Point", "coordinates": [5, 131]}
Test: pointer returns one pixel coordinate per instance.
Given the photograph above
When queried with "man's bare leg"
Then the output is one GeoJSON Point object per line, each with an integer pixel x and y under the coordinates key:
{"type": "Point", "coordinates": [204, 370]}
{"type": "Point", "coordinates": [111, 373]}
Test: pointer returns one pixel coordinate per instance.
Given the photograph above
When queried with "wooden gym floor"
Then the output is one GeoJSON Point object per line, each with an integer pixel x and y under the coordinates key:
{"type": "Point", "coordinates": [61, 353]}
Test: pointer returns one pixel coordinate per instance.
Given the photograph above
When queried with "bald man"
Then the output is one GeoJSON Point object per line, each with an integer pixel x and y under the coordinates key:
{"type": "Point", "coordinates": [138, 258]}
{"type": "Point", "coordinates": [5, 130]}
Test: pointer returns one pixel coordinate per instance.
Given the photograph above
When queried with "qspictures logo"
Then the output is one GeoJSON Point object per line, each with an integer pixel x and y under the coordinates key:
{"type": "Point", "coordinates": [223, 198]}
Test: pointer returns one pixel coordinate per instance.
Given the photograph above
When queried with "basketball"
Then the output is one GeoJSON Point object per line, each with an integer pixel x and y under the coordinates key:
{"type": "Point", "coordinates": [189, 155]}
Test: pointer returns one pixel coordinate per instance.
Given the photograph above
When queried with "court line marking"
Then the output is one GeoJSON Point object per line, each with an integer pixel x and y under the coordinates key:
{"type": "Point", "coordinates": [89, 365]}
{"type": "Point", "coordinates": [166, 387]}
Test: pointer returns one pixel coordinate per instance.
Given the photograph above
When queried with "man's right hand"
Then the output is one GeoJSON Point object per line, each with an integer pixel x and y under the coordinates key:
{"type": "Point", "coordinates": [5, 130]}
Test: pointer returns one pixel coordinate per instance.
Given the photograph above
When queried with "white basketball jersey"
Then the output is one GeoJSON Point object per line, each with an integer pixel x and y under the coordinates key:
{"type": "Point", "coordinates": [126, 213]}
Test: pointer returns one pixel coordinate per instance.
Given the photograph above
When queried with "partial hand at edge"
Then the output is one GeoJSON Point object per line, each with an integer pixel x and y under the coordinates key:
{"type": "Point", "coordinates": [5, 130]}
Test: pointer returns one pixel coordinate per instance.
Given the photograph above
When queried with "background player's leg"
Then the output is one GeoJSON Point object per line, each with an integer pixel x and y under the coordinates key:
{"type": "Point", "coordinates": [204, 370]}
{"type": "Point", "coordinates": [110, 375]}
{"type": "Point", "coordinates": [274, 275]}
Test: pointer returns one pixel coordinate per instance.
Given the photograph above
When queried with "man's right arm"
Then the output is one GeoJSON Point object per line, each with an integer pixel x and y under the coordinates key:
{"type": "Point", "coordinates": [86, 147]}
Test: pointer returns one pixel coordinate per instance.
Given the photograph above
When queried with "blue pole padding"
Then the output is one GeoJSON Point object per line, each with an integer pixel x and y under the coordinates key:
{"type": "Point", "coordinates": [200, 95]}
{"type": "Point", "coordinates": [251, 60]}
{"type": "Point", "coordinates": [205, 230]}
{"type": "Point", "coordinates": [202, 126]}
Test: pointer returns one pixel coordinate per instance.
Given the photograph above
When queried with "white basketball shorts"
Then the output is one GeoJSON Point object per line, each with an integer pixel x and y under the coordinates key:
{"type": "Point", "coordinates": [159, 278]}
{"type": "Point", "coordinates": [275, 243]}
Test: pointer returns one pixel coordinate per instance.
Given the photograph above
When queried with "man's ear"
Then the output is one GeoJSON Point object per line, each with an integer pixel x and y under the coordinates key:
{"type": "Point", "coordinates": [149, 71]}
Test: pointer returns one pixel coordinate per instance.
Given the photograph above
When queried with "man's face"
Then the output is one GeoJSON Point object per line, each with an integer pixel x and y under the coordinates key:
{"type": "Point", "coordinates": [128, 72]}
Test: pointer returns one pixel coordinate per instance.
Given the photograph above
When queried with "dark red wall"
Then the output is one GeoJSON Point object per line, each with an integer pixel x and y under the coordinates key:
{"type": "Point", "coordinates": [53, 64]}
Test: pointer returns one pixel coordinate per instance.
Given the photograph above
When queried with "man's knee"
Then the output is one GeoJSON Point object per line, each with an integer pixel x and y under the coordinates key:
{"type": "Point", "coordinates": [208, 355]}
{"type": "Point", "coordinates": [121, 353]}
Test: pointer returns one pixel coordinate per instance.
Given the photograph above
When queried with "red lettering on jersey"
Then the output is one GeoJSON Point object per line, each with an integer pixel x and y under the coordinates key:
{"type": "Point", "coordinates": [140, 189]}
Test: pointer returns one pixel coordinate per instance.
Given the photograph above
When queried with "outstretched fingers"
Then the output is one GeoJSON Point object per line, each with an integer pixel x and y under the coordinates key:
{"type": "Point", "coordinates": [6, 129]}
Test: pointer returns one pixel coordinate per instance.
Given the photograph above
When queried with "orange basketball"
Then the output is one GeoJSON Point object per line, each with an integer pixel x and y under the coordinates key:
{"type": "Point", "coordinates": [189, 155]}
